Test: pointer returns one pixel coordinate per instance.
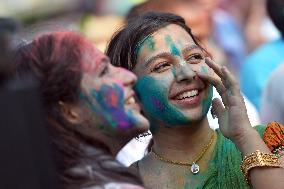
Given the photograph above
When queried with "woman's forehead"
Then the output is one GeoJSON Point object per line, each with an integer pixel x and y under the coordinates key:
{"type": "Point", "coordinates": [165, 39]}
{"type": "Point", "coordinates": [171, 29]}
{"type": "Point", "coordinates": [168, 35]}
{"type": "Point", "coordinates": [92, 58]}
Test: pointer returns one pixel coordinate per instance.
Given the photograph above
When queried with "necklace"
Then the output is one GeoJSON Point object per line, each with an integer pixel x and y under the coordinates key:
{"type": "Point", "coordinates": [194, 166]}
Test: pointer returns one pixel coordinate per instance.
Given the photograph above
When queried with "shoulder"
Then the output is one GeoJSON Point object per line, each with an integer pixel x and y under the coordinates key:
{"type": "Point", "coordinates": [144, 163]}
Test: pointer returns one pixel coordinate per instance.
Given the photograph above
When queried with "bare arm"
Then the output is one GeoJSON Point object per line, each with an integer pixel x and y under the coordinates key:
{"type": "Point", "coordinates": [234, 124]}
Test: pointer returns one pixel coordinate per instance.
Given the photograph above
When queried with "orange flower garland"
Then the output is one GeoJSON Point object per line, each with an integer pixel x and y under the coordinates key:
{"type": "Point", "coordinates": [274, 138]}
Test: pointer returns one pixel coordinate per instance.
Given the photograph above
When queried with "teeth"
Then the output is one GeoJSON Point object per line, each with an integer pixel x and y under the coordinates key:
{"type": "Point", "coordinates": [187, 94]}
{"type": "Point", "coordinates": [130, 100]}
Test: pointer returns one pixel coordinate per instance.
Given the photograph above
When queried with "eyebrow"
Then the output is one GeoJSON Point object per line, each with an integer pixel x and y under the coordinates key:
{"type": "Point", "coordinates": [168, 54]}
{"type": "Point", "coordinates": [103, 63]}
{"type": "Point", "coordinates": [190, 48]}
{"type": "Point", "coordinates": [160, 55]}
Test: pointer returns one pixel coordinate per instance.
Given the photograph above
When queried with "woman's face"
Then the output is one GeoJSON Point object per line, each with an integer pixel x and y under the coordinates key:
{"type": "Point", "coordinates": [168, 86]}
{"type": "Point", "coordinates": [108, 93]}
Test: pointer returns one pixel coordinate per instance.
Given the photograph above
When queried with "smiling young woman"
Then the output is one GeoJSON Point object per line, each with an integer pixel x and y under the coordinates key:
{"type": "Point", "coordinates": [90, 107]}
{"type": "Point", "coordinates": [175, 81]}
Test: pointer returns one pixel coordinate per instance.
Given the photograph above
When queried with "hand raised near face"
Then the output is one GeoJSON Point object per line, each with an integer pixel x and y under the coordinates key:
{"type": "Point", "coordinates": [232, 114]}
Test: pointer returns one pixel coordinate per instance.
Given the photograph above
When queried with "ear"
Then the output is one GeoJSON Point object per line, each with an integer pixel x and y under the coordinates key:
{"type": "Point", "coordinates": [71, 112]}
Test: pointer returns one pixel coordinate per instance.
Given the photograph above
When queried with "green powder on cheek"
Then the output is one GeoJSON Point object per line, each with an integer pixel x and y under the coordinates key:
{"type": "Point", "coordinates": [204, 69]}
{"type": "Point", "coordinates": [207, 101]}
{"type": "Point", "coordinates": [153, 96]}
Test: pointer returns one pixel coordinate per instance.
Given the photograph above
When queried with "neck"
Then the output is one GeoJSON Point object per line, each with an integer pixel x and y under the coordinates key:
{"type": "Point", "coordinates": [115, 144]}
{"type": "Point", "coordinates": [182, 141]}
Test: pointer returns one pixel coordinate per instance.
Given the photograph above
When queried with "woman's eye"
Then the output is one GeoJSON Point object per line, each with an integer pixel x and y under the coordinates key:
{"type": "Point", "coordinates": [161, 67]}
{"type": "Point", "coordinates": [104, 71]}
{"type": "Point", "coordinates": [194, 59]}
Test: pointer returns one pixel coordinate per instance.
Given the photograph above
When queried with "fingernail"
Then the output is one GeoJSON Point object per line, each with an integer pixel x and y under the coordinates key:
{"type": "Point", "coordinates": [224, 69]}
{"type": "Point", "coordinates": [213, 113]}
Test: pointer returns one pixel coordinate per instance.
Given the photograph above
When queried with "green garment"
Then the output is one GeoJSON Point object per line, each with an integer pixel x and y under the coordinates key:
{"type": "Point", "coordinates": [224, 168]}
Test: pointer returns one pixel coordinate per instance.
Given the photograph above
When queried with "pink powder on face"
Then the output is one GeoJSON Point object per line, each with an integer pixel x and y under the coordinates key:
{"type": "Point", "coordinates": [92, 57]}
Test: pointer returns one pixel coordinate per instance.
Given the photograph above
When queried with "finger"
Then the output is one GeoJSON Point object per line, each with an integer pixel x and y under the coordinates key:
{"type": "Point", "coordinates": [217, 83]}
{"type": "Point", "coordinates": [214, 66]}
{"type": "Point", "coordinates": [230, 82]}
{"type": "Point", "coordinates": [217, 108]}
{"type": "Point", "coordinates": [209, 75]}
{"type": "Point", "coordinates": [227, 78]}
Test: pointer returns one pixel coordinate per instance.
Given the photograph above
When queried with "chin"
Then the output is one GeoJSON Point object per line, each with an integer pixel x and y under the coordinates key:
{"type": "Point", "coordinates": [142, 123]}
{"type": "Point", "coordinates": [196, 116]}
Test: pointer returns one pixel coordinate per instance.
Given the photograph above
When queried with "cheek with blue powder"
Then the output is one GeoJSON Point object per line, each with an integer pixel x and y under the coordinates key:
{"type": "Point", "coordinates": [107, 104]}
{"type": "Point", "coordinates": [206, 102]}
{"type": "Point", "coordinates": [153, 96]}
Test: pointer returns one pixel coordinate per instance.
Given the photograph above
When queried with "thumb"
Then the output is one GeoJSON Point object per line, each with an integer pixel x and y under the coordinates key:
{"type": "Point", "coordinates": [217, 108]}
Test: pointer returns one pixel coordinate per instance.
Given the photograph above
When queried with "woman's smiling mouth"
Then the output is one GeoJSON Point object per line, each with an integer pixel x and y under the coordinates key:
{"type": "Point", "coordinates": [188, 98]}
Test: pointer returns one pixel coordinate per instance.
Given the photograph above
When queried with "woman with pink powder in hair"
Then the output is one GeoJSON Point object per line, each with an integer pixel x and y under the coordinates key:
{"type": "Point", "coordinates": [90, 107]}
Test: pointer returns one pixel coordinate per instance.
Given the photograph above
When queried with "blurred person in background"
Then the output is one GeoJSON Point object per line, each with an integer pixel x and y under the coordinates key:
{"type": "Point", "coordinates": [240, 26]}
{"type": "Point", "coordinates": [90, 107]}
{"type": "Point", "coordinates": [8, 28]}
{"type": "Point", "coordinates": [99, 29]}
{"type": "Point", "coordinates": [272, 103]}
{"type": "Point", "coordinates": [260, 63]}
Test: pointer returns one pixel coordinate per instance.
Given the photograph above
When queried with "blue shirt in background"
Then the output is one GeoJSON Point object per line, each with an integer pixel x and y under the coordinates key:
{"type": "Point", "coordinates": [257, 68]}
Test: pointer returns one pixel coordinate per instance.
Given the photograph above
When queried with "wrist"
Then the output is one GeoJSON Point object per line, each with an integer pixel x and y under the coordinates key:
{"type": "Point", "coordinates": [248, 141]}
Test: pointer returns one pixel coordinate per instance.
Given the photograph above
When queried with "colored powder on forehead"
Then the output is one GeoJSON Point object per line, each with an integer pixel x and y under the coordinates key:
{"type": "Point", "coordinates": [110, 106]}
{"type": "Point", "coordinates": [153, 96]}
{"type": "Point", "coordinates": [172, 45]}
{"type": "Point", "coordinates": [148, 41]}
{"type": "Point", "coordinates": [91, 58]}
{"type": "Point", "coordinates": [206, 103]}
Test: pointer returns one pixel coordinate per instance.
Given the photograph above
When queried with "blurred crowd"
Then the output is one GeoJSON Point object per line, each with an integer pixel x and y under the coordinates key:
{"type": "Point", "coordinates": [245, 36]}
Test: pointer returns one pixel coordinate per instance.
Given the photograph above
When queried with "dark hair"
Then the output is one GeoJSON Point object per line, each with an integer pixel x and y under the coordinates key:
{"type": "Point", "coordinates": [123, 45]}
{"type": "Point", "coordinates": [275, 9]}
{"type": "Point", "coordinates": [54, 60]}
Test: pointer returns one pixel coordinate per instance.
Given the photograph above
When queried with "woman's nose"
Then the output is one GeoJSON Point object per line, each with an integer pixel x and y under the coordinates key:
{"type": "Point", "coordinates": [184, 73]}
